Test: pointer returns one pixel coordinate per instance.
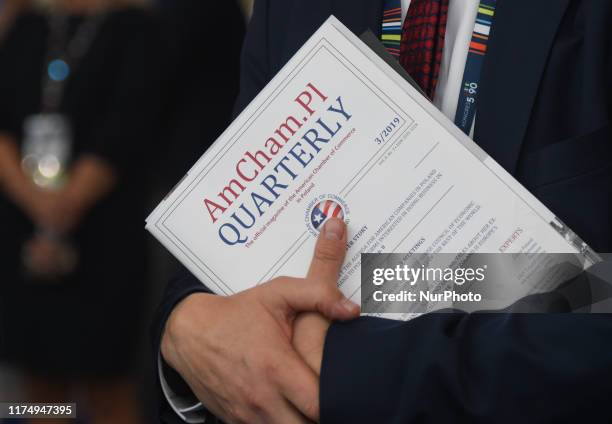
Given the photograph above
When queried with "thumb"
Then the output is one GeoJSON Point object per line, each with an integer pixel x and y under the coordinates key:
{"type": "Point", "coordinates": [329, 253]}
{"type": "Point", "coordinates": [319, 291]}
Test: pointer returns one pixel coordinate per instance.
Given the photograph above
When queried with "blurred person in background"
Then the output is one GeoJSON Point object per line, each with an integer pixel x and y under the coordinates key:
{"type": "Point", "coordinates": [77, 97]}
{"type": "Point", "coordinates": [8, 381]}
{"type": "Point", "coordinates": [8, 10]}
{"type": "Point", "coordinates": [247, 6]}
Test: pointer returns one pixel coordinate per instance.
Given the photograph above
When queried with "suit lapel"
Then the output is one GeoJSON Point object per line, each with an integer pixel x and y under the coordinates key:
{"type": "Point", "coordinates": [359, 15]}
{"type": "Point", "coordinates": [521, 38]}
{"type": "Point", "coordinates": [305, 17]}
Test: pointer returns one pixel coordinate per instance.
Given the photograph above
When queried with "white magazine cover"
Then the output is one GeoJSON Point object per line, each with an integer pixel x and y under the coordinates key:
{"type": "Point", "coordinates": [337, 132]}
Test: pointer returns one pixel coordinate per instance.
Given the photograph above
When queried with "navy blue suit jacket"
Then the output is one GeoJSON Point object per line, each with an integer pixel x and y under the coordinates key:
{"type": "Point", "coordinates": [544, 115]}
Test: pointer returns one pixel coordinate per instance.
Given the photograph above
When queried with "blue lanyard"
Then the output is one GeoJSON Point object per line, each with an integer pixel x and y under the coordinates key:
{"type": "Point", "coordinates": [468, 96]}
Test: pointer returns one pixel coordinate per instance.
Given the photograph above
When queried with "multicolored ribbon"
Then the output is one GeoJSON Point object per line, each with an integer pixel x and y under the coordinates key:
{"type": "Point", "coordinates": [391, 33]}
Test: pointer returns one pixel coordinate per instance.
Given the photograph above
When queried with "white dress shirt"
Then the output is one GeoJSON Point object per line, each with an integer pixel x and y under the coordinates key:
{"type": "Point", "coordinates": [459, 27]}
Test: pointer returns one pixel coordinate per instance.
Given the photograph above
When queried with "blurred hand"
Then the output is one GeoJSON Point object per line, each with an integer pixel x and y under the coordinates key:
{"type": "Point", "coordinates": [310, 328]}
{"type": "Point", "coordinates": [55, 210]}
{"type": "Point", "coordinates": [236, 354]}
{"type": "Point", "coordinates": [61, 211]}
{"type": "Point", "coordinates": [48, 258]}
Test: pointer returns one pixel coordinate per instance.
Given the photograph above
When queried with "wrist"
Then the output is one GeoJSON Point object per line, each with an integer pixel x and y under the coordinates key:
{"type": "Point", "coordinates": [180, 323]}
{"type": "Point", "coordinates": [75, 199]}
{"type": "Point", "coordinates": [18, 187]}
{"type": "Point", "coordinates": [90, 180]}
{"type": "Point", "coordinates": [22, 191]}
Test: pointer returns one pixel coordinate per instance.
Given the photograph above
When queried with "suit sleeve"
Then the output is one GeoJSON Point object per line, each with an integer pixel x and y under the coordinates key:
{"type": "Point", "coordinates": [468, 368]}
{"type": "Point", "coordinates": [183, 285]}
{"type": "Point", "coordinates": [255, 70]}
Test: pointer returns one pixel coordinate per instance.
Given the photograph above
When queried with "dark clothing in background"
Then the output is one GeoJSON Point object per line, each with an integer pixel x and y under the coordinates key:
{"type": "Point", "coordinates": [88, 324]}
{"type": "Point", "coordinates": [544, 114]}
{"type": "Point", "coordinates": [203, 42]}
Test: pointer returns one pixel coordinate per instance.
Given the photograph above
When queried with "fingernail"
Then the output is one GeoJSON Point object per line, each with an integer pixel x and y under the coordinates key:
{"type": "Point", "coordinates": [349, 306]}
{"type": "Point", "coordinates": [333, 229]}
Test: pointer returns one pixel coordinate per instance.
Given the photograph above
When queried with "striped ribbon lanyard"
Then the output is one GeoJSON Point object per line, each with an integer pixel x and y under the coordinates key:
{"type": "Point", "coordinates": [391, 34]}
{"type": "Point", "coordinates": [468, 96]}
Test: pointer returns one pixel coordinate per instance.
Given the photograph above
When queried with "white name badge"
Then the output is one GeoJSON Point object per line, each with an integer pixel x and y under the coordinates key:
{"type": "Point", "coordinates": [47, 146]}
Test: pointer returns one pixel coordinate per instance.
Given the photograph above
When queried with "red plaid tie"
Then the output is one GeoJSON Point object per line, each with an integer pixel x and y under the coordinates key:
{"type": "Point", "coordinates": [423, 41]}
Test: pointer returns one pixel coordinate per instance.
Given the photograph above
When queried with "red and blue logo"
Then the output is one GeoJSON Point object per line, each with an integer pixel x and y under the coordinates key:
{"type": "Point", "coordinates": [324, 210]}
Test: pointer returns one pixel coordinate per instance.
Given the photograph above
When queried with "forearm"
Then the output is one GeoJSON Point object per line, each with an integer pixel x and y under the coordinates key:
{"type": "Point", "coordinates": [90, 180]}
{"type": "Point", "coordinates": [13, 181]}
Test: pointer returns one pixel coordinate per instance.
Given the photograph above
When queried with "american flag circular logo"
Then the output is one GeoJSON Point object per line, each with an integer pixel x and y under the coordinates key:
{"type": "Point", "coordinates": [324, 210]}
